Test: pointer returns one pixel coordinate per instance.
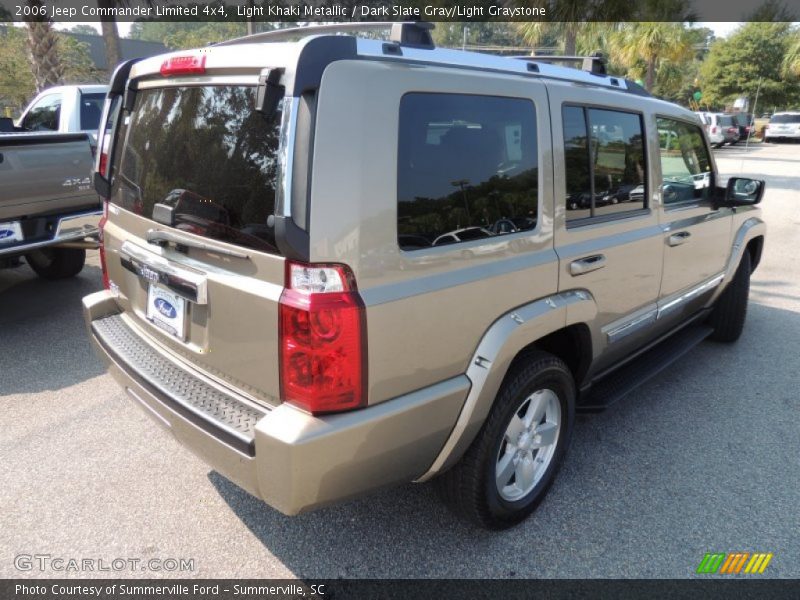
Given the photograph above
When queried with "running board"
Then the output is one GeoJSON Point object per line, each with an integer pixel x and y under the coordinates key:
{"type": "Point", "coordinates": [624, 380]}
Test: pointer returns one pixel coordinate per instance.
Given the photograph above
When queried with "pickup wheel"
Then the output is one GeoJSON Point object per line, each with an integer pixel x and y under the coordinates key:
{"type": "Point", "coordinates": [513, 460]}
{"type": "Point", "coordinates": [729, 314]}
{"type": "Point", "coordinates": [56, 263]}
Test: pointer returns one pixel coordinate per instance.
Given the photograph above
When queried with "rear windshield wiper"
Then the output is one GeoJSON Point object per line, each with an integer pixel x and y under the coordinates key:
{"type": "Point", "coordinates": [158, 236]}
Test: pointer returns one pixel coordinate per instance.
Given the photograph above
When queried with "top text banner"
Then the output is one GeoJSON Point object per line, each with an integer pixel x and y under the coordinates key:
{"type": "Point", "coordinates": [303, 11]}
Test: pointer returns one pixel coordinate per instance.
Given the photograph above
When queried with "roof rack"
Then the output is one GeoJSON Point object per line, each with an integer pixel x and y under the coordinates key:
{"type": "Point", "coordinates": [406, 33]}
{"type": "Point", "coordinates": [594, 63]}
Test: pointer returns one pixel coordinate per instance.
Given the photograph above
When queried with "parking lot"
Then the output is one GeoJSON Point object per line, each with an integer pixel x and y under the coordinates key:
{"type": "Point", "coordinates": [704, 458]}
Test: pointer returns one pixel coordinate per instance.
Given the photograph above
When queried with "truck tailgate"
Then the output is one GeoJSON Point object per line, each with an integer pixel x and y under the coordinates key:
{"type": "Point", "coordinates": [45, 173]}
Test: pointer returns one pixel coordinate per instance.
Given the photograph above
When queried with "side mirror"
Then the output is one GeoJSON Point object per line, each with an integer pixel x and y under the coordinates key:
{"type": "Point", "coordinates": [742, 191]}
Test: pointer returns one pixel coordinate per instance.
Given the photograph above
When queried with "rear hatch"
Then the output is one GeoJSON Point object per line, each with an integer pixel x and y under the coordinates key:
{"type": "Point", "coordinates": [188, 245]}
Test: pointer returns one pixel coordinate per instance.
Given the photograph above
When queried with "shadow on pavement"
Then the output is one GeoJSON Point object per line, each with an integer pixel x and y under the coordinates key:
{"type": "Point", "coordinates": [622, 468]}
{"type": "Point", "coordinates": [42, 336]}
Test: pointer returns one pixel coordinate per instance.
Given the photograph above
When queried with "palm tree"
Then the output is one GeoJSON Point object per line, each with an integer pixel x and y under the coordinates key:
{"type": "Point", "coordinates": [43, 49]}
{"type": "Point", "coordinates": [791, 62]}
{"type": "Point", "coordinates": [651, 43]}
{"type": "Point", "coordinates": [108, 26]}
{"type": "Point", "coordinates": [569, 20]}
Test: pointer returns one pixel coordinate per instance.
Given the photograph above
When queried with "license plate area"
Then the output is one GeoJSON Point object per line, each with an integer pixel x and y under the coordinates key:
{"type": "Point", "coordinates": [11, 232]}
{"type": "Point", "coordinates": [167, 311]}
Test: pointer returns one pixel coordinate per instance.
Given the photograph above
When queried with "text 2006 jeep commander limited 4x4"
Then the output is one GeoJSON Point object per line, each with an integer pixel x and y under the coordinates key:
{"type": "Point", "coordinates": [336, 264]}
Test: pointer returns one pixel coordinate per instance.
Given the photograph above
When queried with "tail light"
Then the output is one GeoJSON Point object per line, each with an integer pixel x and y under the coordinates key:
{"type": "Point", "coordinates": [103, 165]}
{"type": "Point", "coordinates": [714, 129]}
{"type": "Point", "coordinates": [322, 336]}
{"type": "Point", "coordinates": [101, 226]}
{"type": "Point", "coordinates": [193, 64]}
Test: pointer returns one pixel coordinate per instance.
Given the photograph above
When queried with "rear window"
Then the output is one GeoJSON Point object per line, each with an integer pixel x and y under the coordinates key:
{"type": "Point", "coordinates": [725, 120]}
{"type": "Point", "coordinates": [205, 155]}
{"type": "Point", "coordinates": [785, 119]}
{"type": "Point", "coordinates": [91, 110]}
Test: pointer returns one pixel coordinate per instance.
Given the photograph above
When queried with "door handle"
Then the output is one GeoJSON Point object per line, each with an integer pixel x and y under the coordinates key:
{"type": "Point", "coordinates": [587, 264]}
{"type": "Point", "coordinates": [676, 239]}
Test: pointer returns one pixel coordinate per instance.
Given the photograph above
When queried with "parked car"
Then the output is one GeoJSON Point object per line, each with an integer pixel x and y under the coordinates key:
{"type": "Point", "coordinates": [65, 109]}
{"type": "Point", "coordinates": [783, 126]}
{"type": "Point", "coordinates": [49, 210]}
{"type": "Point", "coordinates": [713, 130]}
{"type": "Point", "coordinates": [747, 126]}
{"type": "Point", "coordinates": [330, 362]}
{"type": "Point", "coordinates": [723, 124]}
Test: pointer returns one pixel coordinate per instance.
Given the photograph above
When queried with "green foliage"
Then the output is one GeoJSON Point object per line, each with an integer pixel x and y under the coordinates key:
{"type": "Point", "coordinates": [185, 35]}
{"type": "Point", "coordinates": [16, 80]}
{"type": "Point", "coordinates": [83, 29]}
{"type": "Point", "coordinates": [17, 85]}
{"type": "Point", "coordinates": [735, 65]}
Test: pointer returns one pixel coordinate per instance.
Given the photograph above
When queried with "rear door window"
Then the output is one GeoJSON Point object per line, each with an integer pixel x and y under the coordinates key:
{"type": "Point", "coordinates": [205, 156]}
{"type": "Point", "coordinates": [91, 110]}
{"type": "Point", "coordinates": [467, 168]}
{"type": "Point", "coordinates": [605, 163]}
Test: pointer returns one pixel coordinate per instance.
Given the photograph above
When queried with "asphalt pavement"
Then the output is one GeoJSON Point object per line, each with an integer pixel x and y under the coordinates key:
{"type": "Point", "coordinates": [704, 458]}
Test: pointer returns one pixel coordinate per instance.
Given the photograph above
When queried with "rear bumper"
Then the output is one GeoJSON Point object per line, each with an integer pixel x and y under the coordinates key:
{"type": "Point", "coordinates": [293, 461]}
{"type": "Point", "coordinates": [69, 229]}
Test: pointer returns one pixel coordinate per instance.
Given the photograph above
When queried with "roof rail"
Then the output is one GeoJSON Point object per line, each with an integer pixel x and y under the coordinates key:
{"type": "Point", "coordinates": [594, 63]}
{"type": "Point", "coordinates": [406, 33]}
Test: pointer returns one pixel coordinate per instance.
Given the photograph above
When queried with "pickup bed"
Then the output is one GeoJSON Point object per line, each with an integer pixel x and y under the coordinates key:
{"type": "Point", "coordinates": [49, 212]}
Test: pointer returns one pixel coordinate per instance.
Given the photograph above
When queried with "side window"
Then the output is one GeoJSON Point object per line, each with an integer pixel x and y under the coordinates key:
{"type": "Point", "coordinates": [605, 164]}
{"type": "Point", "coordinates": [685, 163]}
{"type": "Point", "coordinates": [467, 168]}
{"type": "Point", "coordinates": [91, 111]}
{"type": "Point", "coordinates": [44, 115]}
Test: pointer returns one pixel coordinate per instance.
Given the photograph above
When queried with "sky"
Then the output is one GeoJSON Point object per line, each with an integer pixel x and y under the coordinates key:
{"type": "Point", "coordinates": [720, 29]}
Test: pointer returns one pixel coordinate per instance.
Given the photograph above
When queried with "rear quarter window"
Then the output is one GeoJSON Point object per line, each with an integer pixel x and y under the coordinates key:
{"type": "Point", "coordinates": [467, 168]}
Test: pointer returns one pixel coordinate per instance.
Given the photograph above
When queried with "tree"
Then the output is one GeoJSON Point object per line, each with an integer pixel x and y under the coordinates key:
{"type": "Point", "coordinates": [184, 35]}
{"type": "Point", "coordinates": [83, 29]}
{"type": "Point", "coordinates": [42, 45]}
{"type": "Point", "coordinates": [755, 51]}
{"type": "Point", "coordinates": [791, 62]}
{"type": "Point", "coordinates": [17, 84]}
{"type": "Point", "coordinates": [651, 43]}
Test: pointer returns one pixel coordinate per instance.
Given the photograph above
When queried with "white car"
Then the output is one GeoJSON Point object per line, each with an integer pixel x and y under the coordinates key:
{"type": "Point", "coordinates": [713, 131]}
{"type": "Point", "coordinates": [66, 109]}
{"type": "Point", "coordinates": [783, 126]}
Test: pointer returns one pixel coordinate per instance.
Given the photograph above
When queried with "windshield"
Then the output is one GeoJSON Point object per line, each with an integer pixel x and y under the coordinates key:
{"type": "Point", "coordinates": [207, 158]}
{"type": "Point", "coordinates": [785, 119]}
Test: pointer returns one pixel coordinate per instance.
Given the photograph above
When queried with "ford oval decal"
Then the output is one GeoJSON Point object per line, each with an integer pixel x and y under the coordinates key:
{"type": "Point", "coordinates": [6, 233]}
{"type": "Point", "coordinates": [165, 308]}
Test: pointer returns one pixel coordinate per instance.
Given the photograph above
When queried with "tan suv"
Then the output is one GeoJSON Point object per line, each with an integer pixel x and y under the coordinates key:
{"type": "Point", "coordinates": [337, 264]}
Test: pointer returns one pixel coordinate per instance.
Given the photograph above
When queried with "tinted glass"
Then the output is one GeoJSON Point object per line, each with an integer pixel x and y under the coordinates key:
{"type": "Point", "coordinates": [45, 114]}
{"type": "Point", "coordinates": [785, 119]}
{"type": "Point", "coordinates": [611, 178]}
{"type": "Point", "coordinates": [91, 110]}
{"type": "Point", "coordinates": [577, 163]}
{"type": "Point", "coordinates": [726, 121]}
{"type": "Point", "coordinates": [467, 168]}
{"type": "Point", "coordinates": [685, 163]}
{"type": "Point", "coordinates": [205, 154]}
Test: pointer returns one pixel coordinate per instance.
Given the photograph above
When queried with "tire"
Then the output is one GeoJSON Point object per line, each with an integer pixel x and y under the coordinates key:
{"type": "Point", "coordinates": [56, 263]}
{"type": "Point", "coordinates": [730, 312]}
{"type": "Point", "coordinates": [471, 488]}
